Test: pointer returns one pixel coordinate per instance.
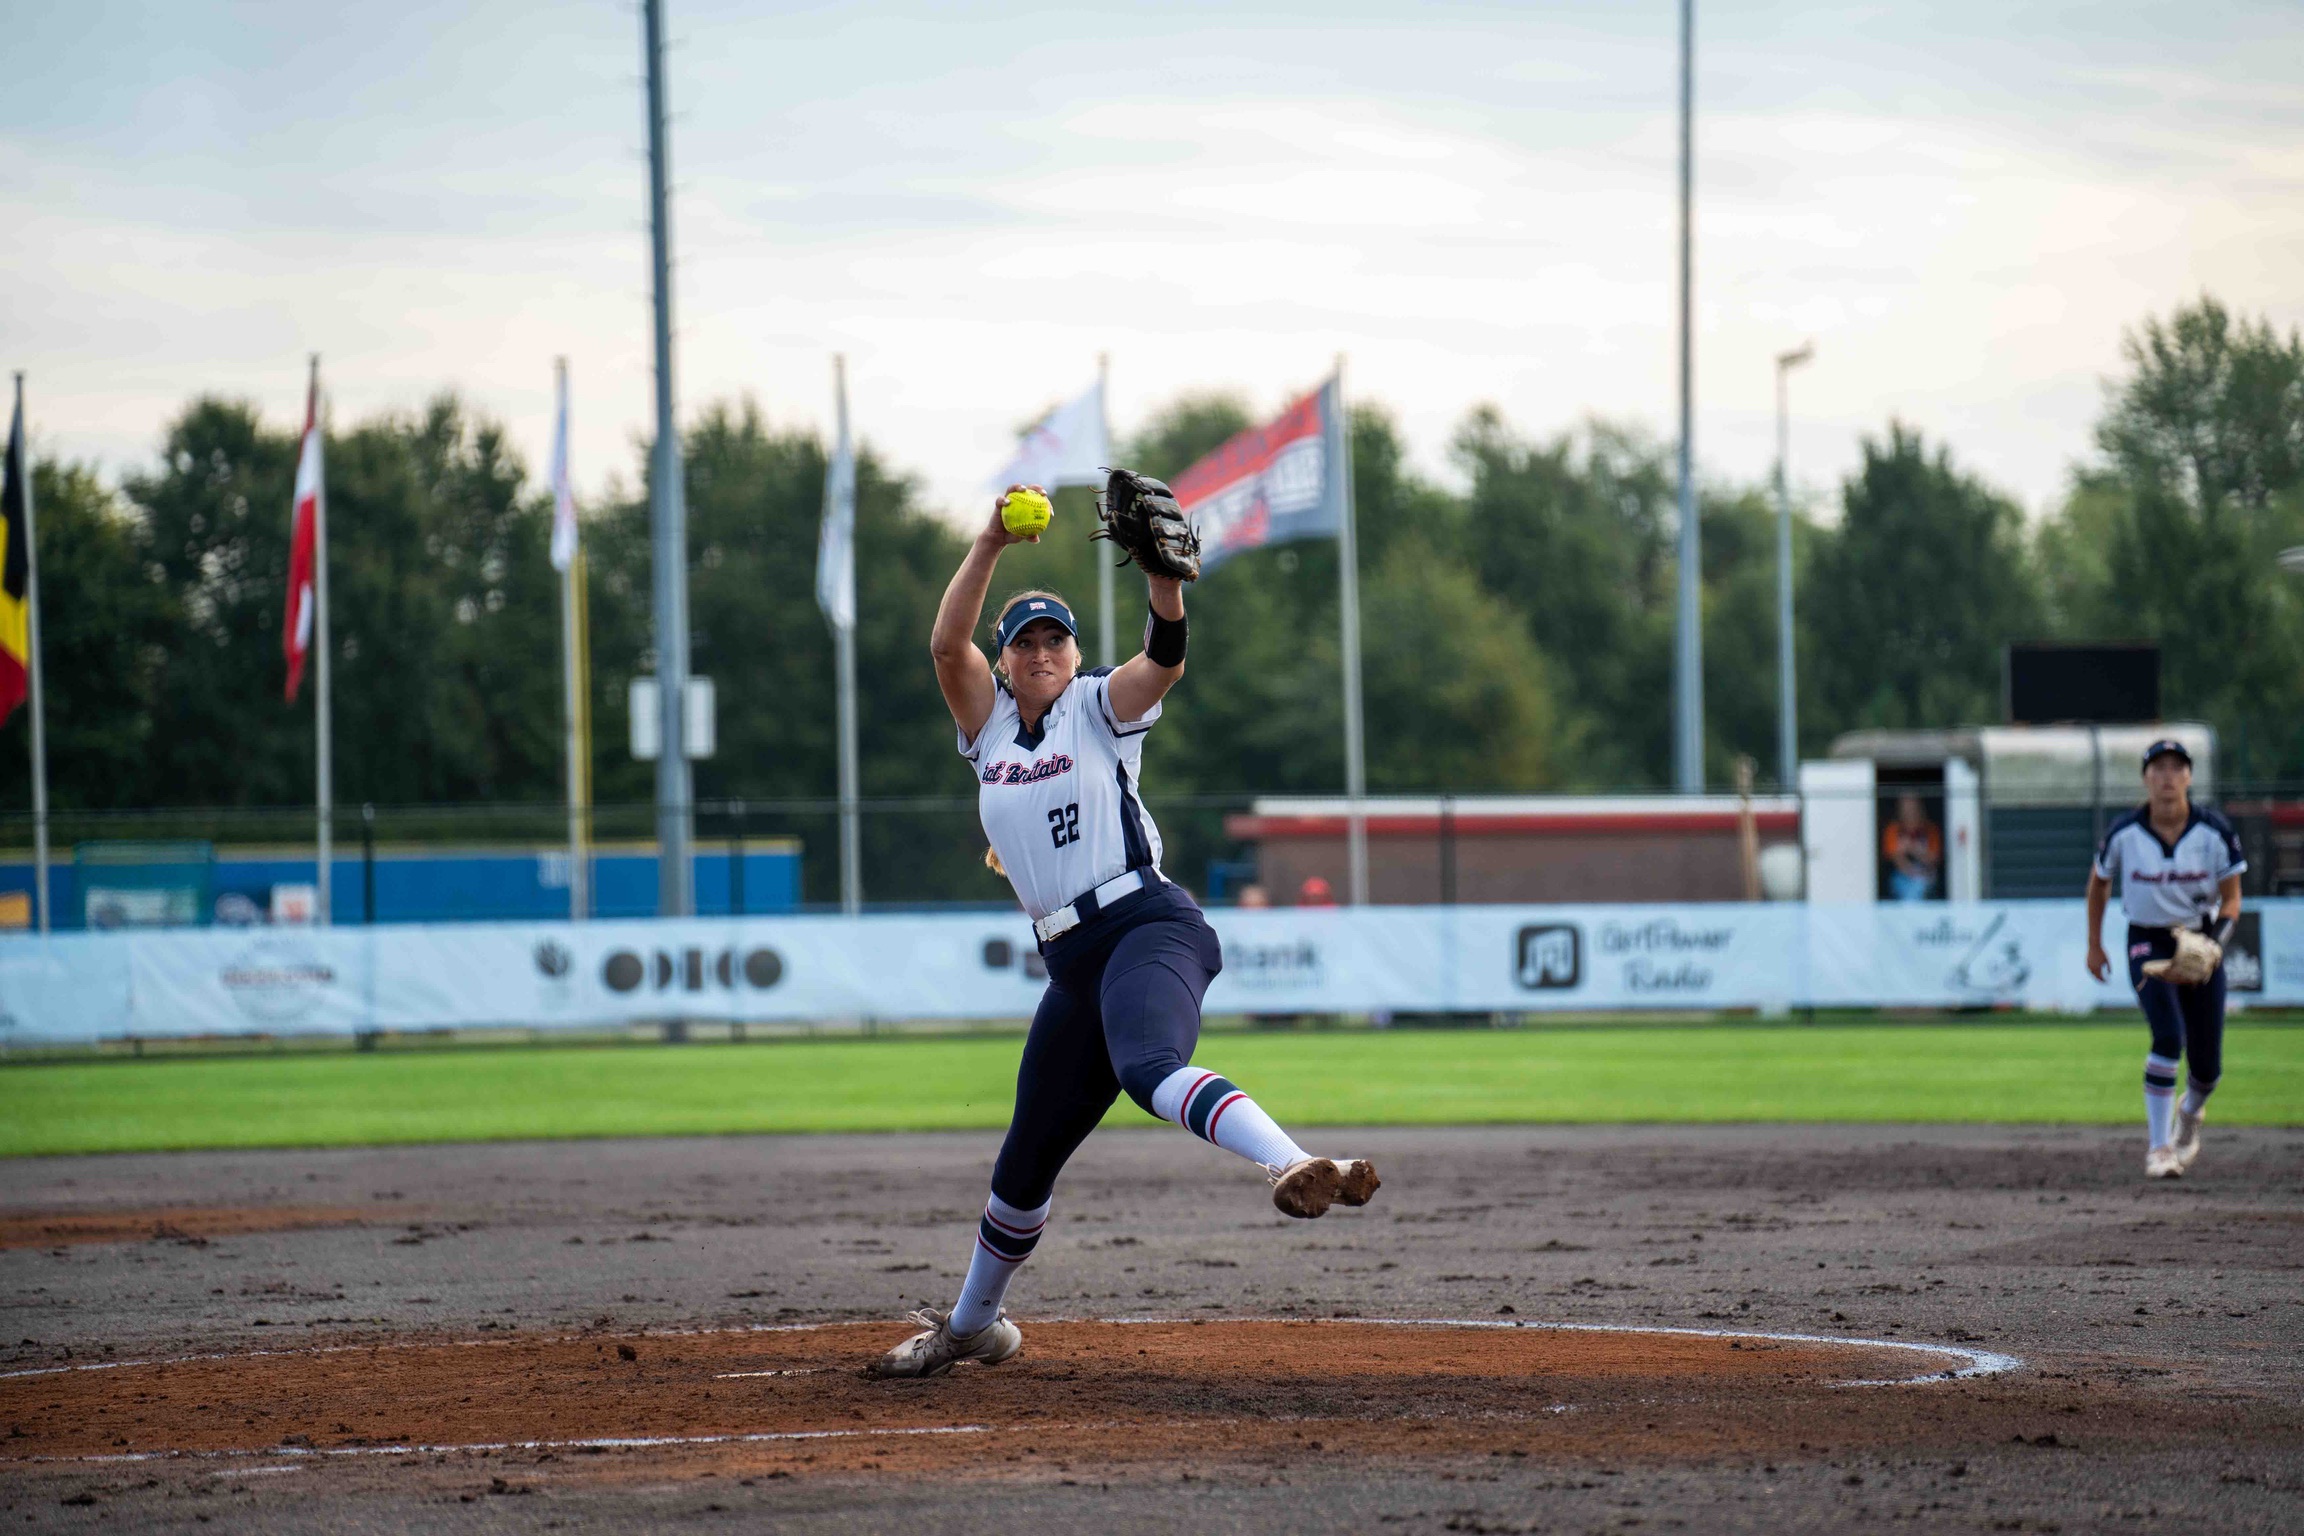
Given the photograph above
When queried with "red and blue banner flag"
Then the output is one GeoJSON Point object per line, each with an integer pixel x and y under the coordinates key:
{"type": "Point", "coordinates": [1272, 484]}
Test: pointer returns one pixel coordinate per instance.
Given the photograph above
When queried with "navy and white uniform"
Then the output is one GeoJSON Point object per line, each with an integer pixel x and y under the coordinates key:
{"type": "Point", "coordinates": [2165, 886]}
{"type": "Point", "coordinates": [1061, 808]}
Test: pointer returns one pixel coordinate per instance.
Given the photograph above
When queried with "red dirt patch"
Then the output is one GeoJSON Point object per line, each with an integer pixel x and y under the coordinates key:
{"type": "Point", "coordinates": [1085, 1389]}
{"type": "Point", "coordinates": [57, 1229]}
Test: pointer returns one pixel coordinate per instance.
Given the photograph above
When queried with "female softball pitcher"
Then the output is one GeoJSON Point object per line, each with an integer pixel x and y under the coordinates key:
{"type": "Point", "coordinates": [1057, 753]}
{"type": "Point", "coordinates": [2182, 897]}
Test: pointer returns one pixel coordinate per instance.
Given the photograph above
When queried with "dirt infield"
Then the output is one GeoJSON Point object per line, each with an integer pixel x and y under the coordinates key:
{"type": "Point", "coordinates": [167, 1224]}
{"type": "Point", "coordinates": [438, 1338]}
{"type": "Point", "coordinates": [1152, 1391]}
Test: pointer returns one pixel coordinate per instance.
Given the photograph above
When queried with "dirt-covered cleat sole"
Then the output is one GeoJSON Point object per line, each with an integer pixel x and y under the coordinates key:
{"type": "Point", "coordinates": [934, 1350]}
{"type": "Point", "coordinates": [2162, 1163]}
{"type": "Point", "coordinates": [1308, 1187]}
{"type": "Point", "coordinates": [1356, 1181]}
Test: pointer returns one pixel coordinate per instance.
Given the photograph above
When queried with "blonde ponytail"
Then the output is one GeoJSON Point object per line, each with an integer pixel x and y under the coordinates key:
{"type": "Point", "coordinates": [992, 862]}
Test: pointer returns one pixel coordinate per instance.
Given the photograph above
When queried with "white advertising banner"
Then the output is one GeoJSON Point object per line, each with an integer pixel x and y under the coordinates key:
{"type": "Point", "coordinates": [837, 971]}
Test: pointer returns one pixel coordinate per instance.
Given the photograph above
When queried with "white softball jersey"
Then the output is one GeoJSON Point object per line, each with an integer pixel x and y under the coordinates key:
{"type": "Point", "coordinates": [1062, 808]}
{"type": "Point", "coordinates": [2169, 885]}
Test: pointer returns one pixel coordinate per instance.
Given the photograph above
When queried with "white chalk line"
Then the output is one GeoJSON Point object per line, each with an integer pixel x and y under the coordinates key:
{"type": "Point", "coordinates": [1978, 1363]}
{"type": "Point", "coordinates": [600, 1443]}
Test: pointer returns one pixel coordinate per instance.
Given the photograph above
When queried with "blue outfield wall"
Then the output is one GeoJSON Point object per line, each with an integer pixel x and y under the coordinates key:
{"type": "Point", "coordinates": [465, 885]}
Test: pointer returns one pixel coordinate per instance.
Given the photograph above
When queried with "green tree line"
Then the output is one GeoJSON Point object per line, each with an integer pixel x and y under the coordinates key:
{"type": "Point", "coordinates": [1518, 632]}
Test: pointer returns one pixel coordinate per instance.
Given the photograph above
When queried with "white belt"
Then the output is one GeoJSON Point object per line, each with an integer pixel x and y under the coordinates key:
{"type": "Point", "coordinates": [1066, 918]}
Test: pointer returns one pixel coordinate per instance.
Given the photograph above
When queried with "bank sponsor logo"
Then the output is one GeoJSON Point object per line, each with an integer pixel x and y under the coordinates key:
{"type": "Point", "coordinates": [277, 981]}
{"type": "Point", "coordinates": [694, 969]}
{"type": "Point", "coordinates": [1548, 956]}
{"type": "Point", "coordinates": [1291, 965]}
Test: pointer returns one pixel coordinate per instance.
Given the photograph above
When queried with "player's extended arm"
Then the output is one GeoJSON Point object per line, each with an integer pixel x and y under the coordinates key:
{"type": "Point", "coordinates": [2099, 895]}
{"type": "Point", "coordinates": [961, 670]}
{"type": "Point", "coordinates": [1141, 682]}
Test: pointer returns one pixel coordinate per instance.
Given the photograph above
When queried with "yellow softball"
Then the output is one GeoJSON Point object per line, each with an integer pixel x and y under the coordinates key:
{"type": "Point", "coordinates": [1026, 513]}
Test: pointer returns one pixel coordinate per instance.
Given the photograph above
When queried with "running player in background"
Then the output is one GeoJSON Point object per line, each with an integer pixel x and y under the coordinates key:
{"type": "Point", "coordinates": [1057, 753]}
{"type": "Point", "coordinates": [2182, 866]}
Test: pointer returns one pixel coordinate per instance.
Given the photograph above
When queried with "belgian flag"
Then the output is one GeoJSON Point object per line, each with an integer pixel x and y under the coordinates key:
{"type": "Point", "coordinates": [16, 571]}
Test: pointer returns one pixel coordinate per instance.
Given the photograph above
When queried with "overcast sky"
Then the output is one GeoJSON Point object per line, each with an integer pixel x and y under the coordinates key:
{"type": "Point", "coordinates": [1963, 204]}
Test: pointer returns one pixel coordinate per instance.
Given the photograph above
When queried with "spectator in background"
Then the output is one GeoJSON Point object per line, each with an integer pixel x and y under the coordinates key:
{"type": "Point", "coordinates": [1913, 849]}
{"type": "Point", "coordinates": [1254, 895]}
{"type": "Point", "coordinates": [1315, 892]}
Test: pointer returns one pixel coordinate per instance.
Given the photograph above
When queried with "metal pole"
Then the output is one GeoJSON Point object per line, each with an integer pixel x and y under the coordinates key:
{"type": "Point", "coordinates": [571, 689]}
{"type": "Point", "coordinates": [1787, 696]}
{"type": "Point", "coordinates": [668, 519]}
{"type": "Point", "coordinates": [1107, 640]}
{"type": "Point", "coordinates": [1688, 656]}
{"type": "Point", "coordinates": [1348, 605]}
{"type": "Point", "coordinates": [367, 862]}
{"type": "Point", "coordinates": [1447, 850]}
{"type": "Point", "coordinates": [323, 712]}
{"type": "Point", "coordinates": [844, 662]}
{"type": "Point", "coordinates": [736, 858]}
{"type": "Point", "coordinates": [36, 696]}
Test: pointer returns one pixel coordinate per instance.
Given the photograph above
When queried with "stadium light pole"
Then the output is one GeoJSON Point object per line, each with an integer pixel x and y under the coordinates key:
{"type": "Point", "coordinates": [1787, 699]}
{"type": "Point", "coordinates": [1688, 653]}
{"type": "Point", "coordinates": [668, 522]}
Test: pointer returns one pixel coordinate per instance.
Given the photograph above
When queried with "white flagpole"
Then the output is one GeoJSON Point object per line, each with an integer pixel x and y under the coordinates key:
{"type": "Point", "coordinates": [1348, 605]}
{"type": "Point", "coordinates": [844, 648]}
{"type": "Point", "coordinates": [572, 698]}
{"type": "Point", "coordinates": [325, 795]}
{"type": "Point", "coordinates": [1107, 643]}
{"type": "Point", "coordinates": [39, 706]}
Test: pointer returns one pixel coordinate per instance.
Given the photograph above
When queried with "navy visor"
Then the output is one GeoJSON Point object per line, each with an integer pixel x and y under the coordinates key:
{"type": "Point", "coordinates": [1033, 608]}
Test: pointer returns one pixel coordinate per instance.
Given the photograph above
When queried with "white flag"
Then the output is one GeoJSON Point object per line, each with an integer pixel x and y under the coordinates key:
{"type": "Point", "coordinates": [836, 550]}
{"type": "Point", "coordinates": [563, 497]}
{"type": "Point", "coordinates": [1065, 447]}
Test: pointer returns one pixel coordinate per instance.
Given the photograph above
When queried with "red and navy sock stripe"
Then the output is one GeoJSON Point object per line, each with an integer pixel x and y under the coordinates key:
{"type": "Point", "coordinates": [1009, 1243]}
{"type": "Point", "coordinates": [1204, 1105]}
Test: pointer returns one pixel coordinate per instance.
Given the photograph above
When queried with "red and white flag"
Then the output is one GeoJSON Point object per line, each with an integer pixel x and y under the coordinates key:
{"type": "Point", "coordinates": [304, 530]}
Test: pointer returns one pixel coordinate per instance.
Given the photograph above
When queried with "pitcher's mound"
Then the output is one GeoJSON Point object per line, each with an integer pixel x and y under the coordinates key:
{"type": "Point", "coordinates": [1083, 1394]}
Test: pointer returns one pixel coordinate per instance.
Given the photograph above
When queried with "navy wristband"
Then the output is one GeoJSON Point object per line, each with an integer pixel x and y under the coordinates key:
{"type": "Point", "coordinates": [1164, 640]}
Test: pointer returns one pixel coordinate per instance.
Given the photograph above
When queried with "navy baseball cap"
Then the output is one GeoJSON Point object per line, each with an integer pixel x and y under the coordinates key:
{"type": "Point", "coordinates": [2166, 746]}
{"type": "Point", "coordinates": [1031, 610]}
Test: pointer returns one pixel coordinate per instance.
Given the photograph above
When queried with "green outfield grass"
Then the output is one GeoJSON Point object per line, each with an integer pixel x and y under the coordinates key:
{"type": "Point", "coordinates": [2049, 1072]}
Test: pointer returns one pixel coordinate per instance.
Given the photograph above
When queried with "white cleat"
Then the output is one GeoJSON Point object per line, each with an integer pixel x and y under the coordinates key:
{"type": "Point", "coordinates": [2163, 1163]}
{"type": "Point", "coordinates": [1308, 1186]}
{"type": "Point", "coordinates": [2186, 1145]}
{"type": "Point", "coordinates": [935, 1350]}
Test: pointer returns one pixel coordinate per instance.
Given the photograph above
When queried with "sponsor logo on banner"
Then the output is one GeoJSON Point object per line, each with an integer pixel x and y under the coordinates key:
{"type": "Point", "coordinates": [1547, 956]}
{"type": "Point", "coordinates": [1988, 961]}
{"type": "Point", "coordinates": [690, 970]}
{"type": "Point", "coordinates": [277, 981]}
{"type": "Point", "coordinates": [2244, 956]}
{"type": "Point", "coordinates": [1000, 955]}
{"type": "Point", "coordinates": [1288, 966]}
{"type": "Point", "coordinates": [1664, 956]}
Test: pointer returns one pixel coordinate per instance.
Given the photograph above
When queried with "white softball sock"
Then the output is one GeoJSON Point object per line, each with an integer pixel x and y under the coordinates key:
{"type": "Point", "coordinates": [2160, 1099]}
{"type": "Point", "coordinates": [1212, 1109]}
{"type": "Point", "coordinates": [1005, 1238]}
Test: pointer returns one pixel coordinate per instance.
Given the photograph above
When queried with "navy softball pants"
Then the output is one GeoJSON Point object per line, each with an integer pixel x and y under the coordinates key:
{"type": "Point", "coordinates": [2187, 1022]}
{"type": "Point", "coordinates": [1122, 1011]}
